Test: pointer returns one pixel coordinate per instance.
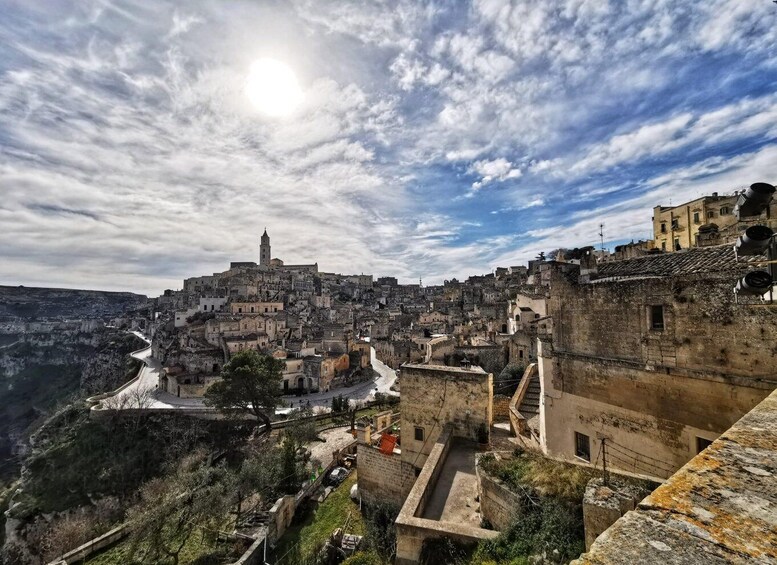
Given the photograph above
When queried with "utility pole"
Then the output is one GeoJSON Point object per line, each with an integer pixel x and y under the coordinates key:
{"type": "Point", "coordinates": [604, 463]}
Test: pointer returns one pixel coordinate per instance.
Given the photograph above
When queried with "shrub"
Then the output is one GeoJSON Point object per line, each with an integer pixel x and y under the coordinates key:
{"type": "Point", "coordinates": [445, 550]}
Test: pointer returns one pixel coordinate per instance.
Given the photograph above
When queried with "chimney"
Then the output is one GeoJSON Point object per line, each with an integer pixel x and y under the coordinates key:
{"type": "Point", "coordinates": [588, 268]}
{"type": "Point", "coordinates": [363, 433]}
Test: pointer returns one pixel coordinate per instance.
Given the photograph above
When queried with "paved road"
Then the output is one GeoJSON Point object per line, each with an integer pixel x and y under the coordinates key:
{"type": "Point", "coordinates": [143, 391]}
{"type": "Point", "coordinates": [359, 392]}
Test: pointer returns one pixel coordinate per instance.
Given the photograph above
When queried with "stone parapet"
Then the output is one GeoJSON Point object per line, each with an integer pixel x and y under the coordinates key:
{"type": "Point", "coordinates": [721, 507]}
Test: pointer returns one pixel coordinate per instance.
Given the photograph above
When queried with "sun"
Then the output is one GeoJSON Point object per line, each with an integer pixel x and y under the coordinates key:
{"type": "Point", "coordinates": [272, 88]}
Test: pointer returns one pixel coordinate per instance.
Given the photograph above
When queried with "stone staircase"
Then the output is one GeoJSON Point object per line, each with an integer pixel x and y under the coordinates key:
{"type": "Point", "coordinates": [530, 405]}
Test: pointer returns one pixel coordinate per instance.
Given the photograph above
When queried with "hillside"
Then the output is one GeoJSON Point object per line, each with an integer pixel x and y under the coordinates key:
{"type": "Point", "coordinates": [20, 302]}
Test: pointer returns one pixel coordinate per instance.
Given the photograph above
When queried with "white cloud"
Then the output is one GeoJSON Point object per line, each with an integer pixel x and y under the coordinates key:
{"type": "Point", "coordinates": [130, 156]}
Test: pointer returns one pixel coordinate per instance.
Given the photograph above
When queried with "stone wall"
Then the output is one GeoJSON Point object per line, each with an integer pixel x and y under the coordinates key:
{"type": "Point", "coordinates": [383, 477]}
{"type": "Point", "coordinates": [603, 505]}
{"type": "Point", "coordinates": [412, 530]}
{"type": "Point", "coordinates": [719, 508]}
{"type": "Point", "coordinates": [492, 358]}
{"type": "Point", "coordinates": [501, 408]}
{"type": "Point", "coordinates": [498, 504]}
{"type": "Point", "coordinates": [658, 394]}
{"type": "Point", "coordinates": [435, 395]}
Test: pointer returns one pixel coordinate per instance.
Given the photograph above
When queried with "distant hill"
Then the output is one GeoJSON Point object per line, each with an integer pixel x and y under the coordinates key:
{"type": "Point", "coordinates": [31, 303]}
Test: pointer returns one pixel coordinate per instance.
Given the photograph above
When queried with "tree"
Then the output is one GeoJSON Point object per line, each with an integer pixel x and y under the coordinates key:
{"type": "Point", "coordinates": [251, 383]}
{"type": "Point", "coordinates": [173, 508]}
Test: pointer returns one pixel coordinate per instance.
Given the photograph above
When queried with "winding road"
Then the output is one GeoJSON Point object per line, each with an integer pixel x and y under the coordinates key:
{"type": "Point", "coordinates": [142, 391]}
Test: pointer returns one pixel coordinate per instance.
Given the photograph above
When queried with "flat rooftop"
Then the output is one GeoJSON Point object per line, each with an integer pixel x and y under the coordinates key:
{"type": "Point", "coordinates": [455, 492]}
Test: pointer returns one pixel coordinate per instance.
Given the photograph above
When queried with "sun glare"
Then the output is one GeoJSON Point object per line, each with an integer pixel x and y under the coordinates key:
{"type": "Point", "coordinates": [272, 88]}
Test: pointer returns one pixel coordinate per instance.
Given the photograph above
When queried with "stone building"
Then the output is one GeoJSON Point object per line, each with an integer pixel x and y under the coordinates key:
{"type": "Point", "coordinates": [655, 356]}
{"type": "Point", "coordinates": [265, 255]}
{"type": "Point", "coordinates": [430, 469]}
{"type": "Point", "coordinates": [677, 227]}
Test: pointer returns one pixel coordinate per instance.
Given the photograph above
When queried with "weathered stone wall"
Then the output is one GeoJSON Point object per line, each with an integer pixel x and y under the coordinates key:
{"type": "Point", "coordinates": [703, 327]}
{"type": "Point", "coordinates": [653, 393]}
{"type": "Point", "coordinates": [412, 530]}
{"type": "Point", "coordinates": [383, 477]}
{"type": "Point", "coordinates": [492, 358]}
{"type": "Point", "coordinates": [434, 395]}
{"type": "Point", "coordinates": [603, 505]}
{"type": "Point", "coordinates": [501, 408]}
{"type": "Point", "coordinates": [719, 508]}
{"type": "Point", "coordinates": [498, 504]}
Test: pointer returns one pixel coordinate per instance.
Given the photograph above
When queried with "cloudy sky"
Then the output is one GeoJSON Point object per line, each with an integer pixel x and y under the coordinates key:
{"type": "Point", "coordinates": [433, 139]}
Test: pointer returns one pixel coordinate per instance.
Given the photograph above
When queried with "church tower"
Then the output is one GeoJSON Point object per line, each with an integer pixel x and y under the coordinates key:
{"type": "Point", "coordinates": [264, 250]}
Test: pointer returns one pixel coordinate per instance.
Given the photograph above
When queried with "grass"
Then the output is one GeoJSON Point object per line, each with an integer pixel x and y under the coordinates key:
{"type": "Point", "coordinates": [360, 413]}
{"type": "Point", "coordinates": [196, 550]}
{"type": "Point", "coordinates": [540, 475]}
{"type": "Point", "coordinates": [302, 541]}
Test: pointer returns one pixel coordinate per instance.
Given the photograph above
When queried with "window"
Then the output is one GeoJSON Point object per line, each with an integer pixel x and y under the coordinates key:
{"type": "Point", "coordinates": [695, 217]}
{"type": "Point", "coordinates": [252, 309]}
{"type": "Point", "coordinates": [675, 224]}
{"type": "Point", "coordinates": [701, 444]}
{"type": "Point", "coordinates": [663, 246]}
{"type": "Point", "coordinates": [710, 214]}
{"type": "Point", "coordinates": [520, 353]}
{"type": "Point", "coordinates": [582, 446]}
{"type": "Point", "coordinates": [663, 227]}
{"type": "Point", "coordinates": [657, 317]}
{"type": "Point", "coordinates": [677, 244]}
{"type": "Point", "coordinates": [419, 434]}
{"type": "Point", "coordinates": [239, 310]}
{"type": "Point", "coordinates": [536, 316]}
{"type": "Point", "coordinates": [724, 211]}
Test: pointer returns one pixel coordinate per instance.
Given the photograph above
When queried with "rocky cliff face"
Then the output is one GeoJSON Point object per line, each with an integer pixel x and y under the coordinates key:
{"type": "Point", "coordinates": [41, 370]}
{"type": "Point", "coordinates": [46, 303]}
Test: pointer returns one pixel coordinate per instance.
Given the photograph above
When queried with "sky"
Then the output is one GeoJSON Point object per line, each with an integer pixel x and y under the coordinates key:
{"type": "Point", "coordinates": [432, 140]}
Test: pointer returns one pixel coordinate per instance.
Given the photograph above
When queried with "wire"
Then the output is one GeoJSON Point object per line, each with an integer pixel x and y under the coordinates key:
{"type": "Point", "coordinates": [658, 465]}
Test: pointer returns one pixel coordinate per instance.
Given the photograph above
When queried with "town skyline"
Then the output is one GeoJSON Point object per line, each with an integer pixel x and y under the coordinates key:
{"type": "Point", "coordinates": [426, 140]}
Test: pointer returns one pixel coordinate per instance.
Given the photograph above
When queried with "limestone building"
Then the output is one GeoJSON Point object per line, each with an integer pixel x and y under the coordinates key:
{"type": "Point", "coordinates": [677, 227]}
{"type": "Point", "coordinates": [655, 356]}
{"type": "Point", "coordinates": [264, 250]}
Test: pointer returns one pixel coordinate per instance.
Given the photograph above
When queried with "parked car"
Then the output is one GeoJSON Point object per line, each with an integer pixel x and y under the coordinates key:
{"type": "Point", "coordinates": [337, 476]}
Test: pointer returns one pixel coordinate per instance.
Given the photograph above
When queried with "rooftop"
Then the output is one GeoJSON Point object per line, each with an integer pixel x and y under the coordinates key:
{"type": "Point", "coordinates": [443, 368]}
{"type": "Point", "coordinates": [717, 259]}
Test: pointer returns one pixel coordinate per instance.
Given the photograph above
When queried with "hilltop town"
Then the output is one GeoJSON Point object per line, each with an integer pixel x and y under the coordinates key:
{"type": "Point", "coordinates": [446, 409]}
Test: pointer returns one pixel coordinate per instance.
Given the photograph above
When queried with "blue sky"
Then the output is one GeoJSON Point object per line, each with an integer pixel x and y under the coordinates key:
{"type": "Point", "coordinates": [435, 139]}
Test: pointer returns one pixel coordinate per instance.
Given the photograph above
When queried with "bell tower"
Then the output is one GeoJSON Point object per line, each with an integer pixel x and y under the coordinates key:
{"type": "Point", "coordinates": [264, 250]}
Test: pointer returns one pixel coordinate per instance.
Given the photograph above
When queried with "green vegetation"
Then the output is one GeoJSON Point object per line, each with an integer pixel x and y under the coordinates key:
{"type": "Point", "coordinates": [532, 473]}
{"type": "Point", "coordinates": [78, 459]}
{"type": "Point", "coordinates": [250, 382]}
{"type": "Point", "coordinates": [303, 540]}
{"type": "Point", "coordinates": [381, 535]}
{"type": "Point", "coordinates": [198, 550]}
{"type": "Point", "coordinates": [445, 550]}
{"type": "Point", "coordinates": [551, 517]}
{"type": "Point", "coordinates": [53, 374]}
